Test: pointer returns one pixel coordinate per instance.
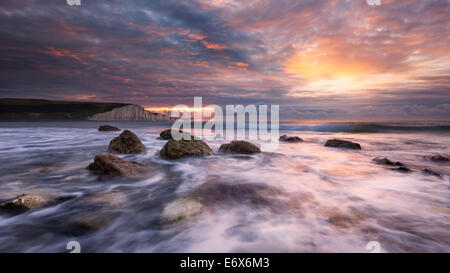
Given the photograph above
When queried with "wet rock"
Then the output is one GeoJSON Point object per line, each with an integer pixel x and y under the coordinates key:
{"type": "Point", "coordinates": [111, 198]}
{"type": "Point", "coordinates": [439, 158]}
{"type": "Point", "coordinates": [386, 161]}
{"type": "Point", "coordinates": [175, 149]}
{"type": "Point", "coordinates": [83, 226]}
{"type": "Point", "coordinates": [212, 193]}
{"type": "Point", "coordinates": [110, 165]}
{"type": "Point", "coordinates": [22, 203]}
{"type": "Point", "coordinates": [50, 168]}
{"type": "Point", "coordinates": [346, 218]}
{"type": "Point", "coordinates": [338, 143]}
{"type": "Point", "coordinates": [293, 139]}
{"type": "Point", "coordinates": [429, 171]}
{"type": "Point", "coordinates": [342, 221]}
{"type": "Point", "coordinates": [181, 209]}
{"type": "Point", "coordinates": [392, 165]}
{"type": "Point", "coordinates": [401, 169]}
{"type": "Point", "coordinates": [107, 128]}
{"type": "Point", "coordinates": [239, 147]}
{"type": "Point", "coordinates": [167, 134]}
{"type": "Point", "coordinates": [126, 143]}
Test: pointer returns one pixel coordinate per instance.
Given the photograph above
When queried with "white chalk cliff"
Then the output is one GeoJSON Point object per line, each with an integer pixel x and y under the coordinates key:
{"type": "Point", "coordinates": [130, 112]}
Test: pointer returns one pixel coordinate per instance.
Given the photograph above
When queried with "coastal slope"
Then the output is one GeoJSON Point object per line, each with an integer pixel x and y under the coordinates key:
{"type": "Point", "coordinates": [35, 109]}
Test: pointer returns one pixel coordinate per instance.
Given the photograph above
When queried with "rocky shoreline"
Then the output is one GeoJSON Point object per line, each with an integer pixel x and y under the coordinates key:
{"type": "Point", "coordinates": [110, 166]}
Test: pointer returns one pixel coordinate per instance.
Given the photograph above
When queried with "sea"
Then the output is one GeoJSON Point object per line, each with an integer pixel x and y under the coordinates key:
{"type": "Point", "coordinates": [301, 197]}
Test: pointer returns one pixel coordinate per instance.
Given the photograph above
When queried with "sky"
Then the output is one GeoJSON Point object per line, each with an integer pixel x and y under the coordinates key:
{"type": "Point", "coordinates": [317, 59]}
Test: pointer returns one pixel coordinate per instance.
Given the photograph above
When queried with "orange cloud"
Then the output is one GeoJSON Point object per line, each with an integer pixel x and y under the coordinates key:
{"type": "Point", "coordinates": [241, 64]}
{"type": "Point", "coordinates": [214, 46]}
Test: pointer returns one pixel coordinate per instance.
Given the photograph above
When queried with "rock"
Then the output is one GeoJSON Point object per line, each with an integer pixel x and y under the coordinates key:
{"type": "Point", "coordinates": [239, 147]}
{"type": "Point", "coordinates": [397, 166]}
{"type": "Point", "coordinates": [342, 144]}
{"type": "Point", "coordinates": [50, 168]}
{"type": "Point", "coordinates": [107, 128]}
{"type": "Point", "coordinates": [181, 209]}
{"type": "Point", "coordinates": [167, 134]}
{"type": "Point", "coordinates": [286, 138]}
{"type": "Point", "coordinates": [113, 198]}
{"type": "Point", "coordinates": [352, 218]}
{"type": "Point", "coordinates": [439, 158]}
{"type": "Point", "coordinates": [110, 165]}
{"type": "Point", "coordinates": [175, 149]}
{"type": "Point", "coordinates": [401, 169]}
{"type": "Point", "coordinates": [212, 193]}
{"type": "Point", "coordinates": [386, 161]}
{"type": "Point", "coordinates": [22, 203]}
{"type": "Point", "coordinates": [126, 143]}
{"type": "Point", "coordinates": [342, 221]}
{"type": "Point", "coordinates": [83, 226]}
{"type": "Point", "coordinates": [429, 171]}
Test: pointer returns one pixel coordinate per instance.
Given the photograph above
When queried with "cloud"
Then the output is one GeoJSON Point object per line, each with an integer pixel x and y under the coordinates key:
{"type": "Point", "coordinates": [341, 58]}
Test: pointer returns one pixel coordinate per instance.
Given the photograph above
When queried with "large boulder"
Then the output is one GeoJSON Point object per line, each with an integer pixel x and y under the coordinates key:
{"type": "Point", "coordinates": [294, 139]}
{"type": "Point", "coordinates": [175, 149]}
{"type": "Point", "coordinates": [110, 165]}
{"type": "Point", "coordinates": [22, 203]}
{"type": "Point", "coordinates": [106, 128]}
{"type": "Point", "coordinates": [239, 147]}
{"type": "Point", "coordinates": [126, 143]}
{"type": "Point", "coordinates": [338, 143]}
{"type": "Point", "coordinates": [167, 134]}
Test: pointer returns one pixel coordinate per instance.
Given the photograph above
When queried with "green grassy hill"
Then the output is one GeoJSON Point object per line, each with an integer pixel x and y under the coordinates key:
{"type": "Point", "coordinates": [34, 109]}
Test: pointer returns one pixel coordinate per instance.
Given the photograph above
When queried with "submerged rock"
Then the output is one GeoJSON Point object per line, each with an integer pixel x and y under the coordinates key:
{"type": "Point", "coordinates": [175, 149]}
{"type": "Point", "coordinates": [181, 209]}
{"type": "Point", "coordinates": [167, 134]}
{"type": "Point", "coordinates": [22, 203]}
{"type": "Point", "coordinates": [345, 220]}
{"type": "Point", "coordinates": [126, 143]}
{"type": "Point", "coordinates": [386, 161]}
{"type": "Point", "coordinates": [110, 165]}
{"type": "Point", "coordinates": [429, 171]}
{"type": "Point", "coordinates": [439, 158]}
{"type": "Point", "coordinates": [392, 165]}
{"type": "Point", "coordinates": [401, 169]}
{"type": "Point", "coordinates": [294, 139]}
{"type": "Point", "coordinates": [106, 128]}
{"type": "Point", "coordinates": [338, 143]}
{"type": "Point", "coordinates": [213, 193]}
{"type": "Point", "coordinates": [83, 226]}
{"type": "Point", "coordinates": [239, 147]}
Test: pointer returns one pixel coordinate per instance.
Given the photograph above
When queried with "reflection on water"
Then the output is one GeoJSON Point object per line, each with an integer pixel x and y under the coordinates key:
{"type": "Point", "coordinates": [303, 198]}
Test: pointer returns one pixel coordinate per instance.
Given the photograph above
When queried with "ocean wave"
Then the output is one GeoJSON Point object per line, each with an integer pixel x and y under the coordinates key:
{"type": "Point", "coordinates": [367, 127]}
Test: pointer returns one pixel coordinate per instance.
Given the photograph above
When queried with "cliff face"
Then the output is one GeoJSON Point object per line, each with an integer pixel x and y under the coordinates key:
{"type": "Point", "coordinates": [36, 110]}
{"type": "Point", "coordinates": [130, 112]}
